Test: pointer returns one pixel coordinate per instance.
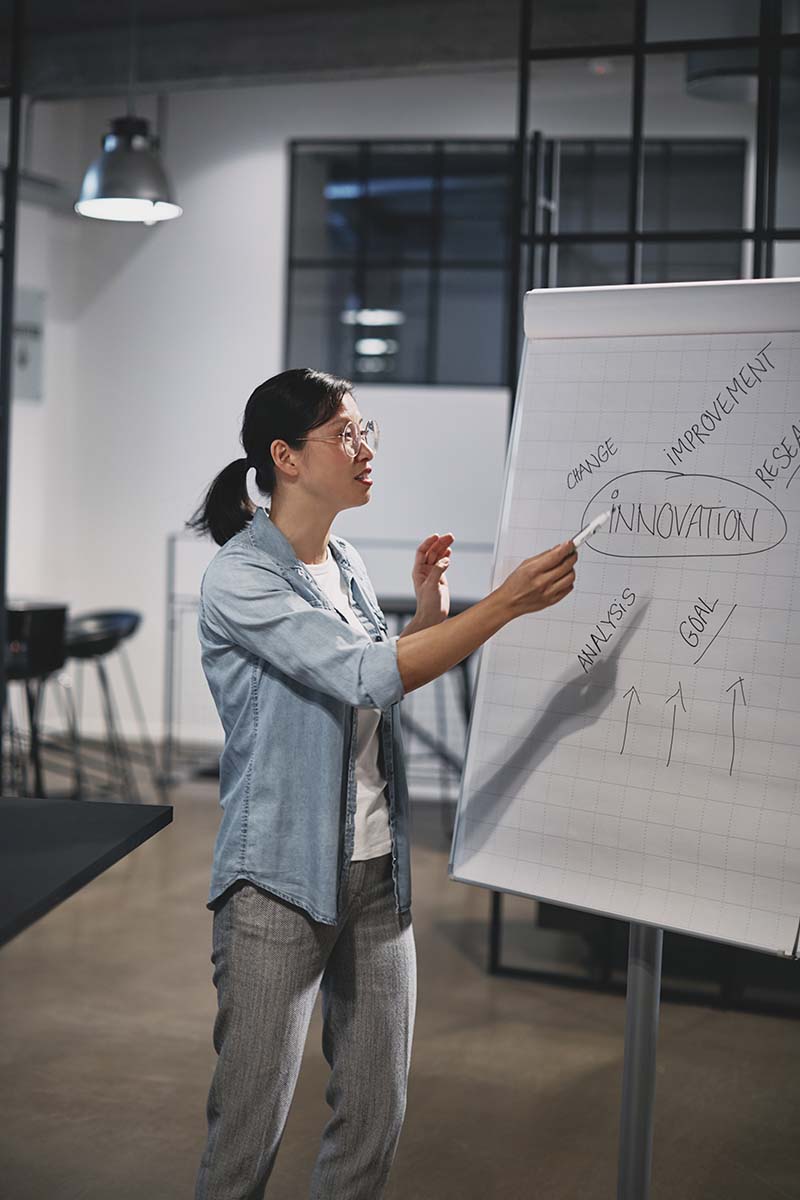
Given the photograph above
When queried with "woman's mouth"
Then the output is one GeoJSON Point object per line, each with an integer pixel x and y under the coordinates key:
{"type": "Point", "coordinates": [365, 477]}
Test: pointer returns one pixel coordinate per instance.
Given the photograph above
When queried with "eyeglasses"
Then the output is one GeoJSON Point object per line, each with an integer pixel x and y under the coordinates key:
{"type": "Point", "coordinates": [351, 437]}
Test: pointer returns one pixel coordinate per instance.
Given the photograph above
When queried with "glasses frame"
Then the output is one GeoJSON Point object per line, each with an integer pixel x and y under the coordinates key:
{"type": "Point", "coordinates": [359, 436]}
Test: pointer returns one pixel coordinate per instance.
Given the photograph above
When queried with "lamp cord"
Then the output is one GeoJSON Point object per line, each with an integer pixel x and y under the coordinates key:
{"type": "Point", "coordinates": [132, 56]}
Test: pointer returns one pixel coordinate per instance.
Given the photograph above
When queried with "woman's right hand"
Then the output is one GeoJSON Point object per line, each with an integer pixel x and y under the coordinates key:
{"type": "Point", "coordinates": [540, 581]}
{"type": "Point", "coordinates": [536, 583]}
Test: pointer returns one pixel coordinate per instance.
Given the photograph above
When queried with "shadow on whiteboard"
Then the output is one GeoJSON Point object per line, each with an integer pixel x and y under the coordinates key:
{"type": "Point", "coordinates": [570, 708]}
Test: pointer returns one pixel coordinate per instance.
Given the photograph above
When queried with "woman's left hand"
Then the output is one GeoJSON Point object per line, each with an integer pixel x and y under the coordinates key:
{"type": "Point", "coordinates": [430, 585]}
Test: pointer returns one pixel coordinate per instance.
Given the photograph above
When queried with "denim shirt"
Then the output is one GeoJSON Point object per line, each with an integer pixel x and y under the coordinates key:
{"type": "Point", "coordinates": [287, 674]}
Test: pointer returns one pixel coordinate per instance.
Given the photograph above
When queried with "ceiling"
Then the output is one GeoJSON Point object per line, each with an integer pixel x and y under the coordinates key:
{"type": "Point", "coordinates": [82, 48]}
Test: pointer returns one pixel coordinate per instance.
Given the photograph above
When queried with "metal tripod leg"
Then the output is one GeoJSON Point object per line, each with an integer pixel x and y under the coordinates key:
{"type": "Point", "coordinates": [639, 1071]}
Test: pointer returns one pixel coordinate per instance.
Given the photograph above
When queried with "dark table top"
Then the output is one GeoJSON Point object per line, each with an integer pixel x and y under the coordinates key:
{"type": "Point", "coordinates": [51, 848]}
{"type": "Point", "coordinates": [402, 606]}
{"type": "Point", "coordinates": [20, 604]}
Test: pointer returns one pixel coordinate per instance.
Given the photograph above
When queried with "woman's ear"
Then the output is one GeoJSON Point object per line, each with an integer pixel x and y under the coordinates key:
{"type": "Point", "coordinates": [284, 458]}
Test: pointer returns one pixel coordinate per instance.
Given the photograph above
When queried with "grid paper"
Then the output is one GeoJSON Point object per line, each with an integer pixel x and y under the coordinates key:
{"type": "Point", "coordinates": [635, 749]}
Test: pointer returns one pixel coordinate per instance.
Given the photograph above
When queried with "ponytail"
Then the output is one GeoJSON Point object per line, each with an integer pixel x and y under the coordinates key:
{"type": "Point", "coordinates": [226, 507]}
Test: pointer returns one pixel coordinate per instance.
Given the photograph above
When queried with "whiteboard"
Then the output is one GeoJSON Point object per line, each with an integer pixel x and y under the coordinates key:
{"type": "Point", "coordinates": [635, 749]}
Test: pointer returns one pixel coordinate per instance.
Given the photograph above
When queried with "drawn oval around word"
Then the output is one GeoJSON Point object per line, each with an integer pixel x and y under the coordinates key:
{"type": "Point", "coordinates": [674, 514]}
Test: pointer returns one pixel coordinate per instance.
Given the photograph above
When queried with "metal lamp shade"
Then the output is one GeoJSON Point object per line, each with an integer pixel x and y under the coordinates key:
{"type": "Point", "coordinates": [127, 182]}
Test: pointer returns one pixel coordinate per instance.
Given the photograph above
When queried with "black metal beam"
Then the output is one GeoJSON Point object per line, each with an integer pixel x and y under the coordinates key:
{"type": "Point", "coordinates": [518, 203]}
{"type": "Point", "coordinates": [434, 279]}
{"type": "Point", "coordinates": [666, 235]}
{"type": "Point", "coordinates": [762, 142]}
{"type": "Point", "coordinates": [10, 192]}
{"type": "Point", "coordinates": [636, 162]}
{"type": "Point", "coordinates": [535, 168]}
{"type": "Point", "coordinates": [679, 46]}
{"type": "Point", "coordinates": [773, 65]}
{"type": "Point", "coordinates": [408, 264]}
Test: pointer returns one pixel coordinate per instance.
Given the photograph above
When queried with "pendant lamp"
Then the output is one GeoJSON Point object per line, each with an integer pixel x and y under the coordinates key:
{"type": "Point", "coordinates": [127, 182]}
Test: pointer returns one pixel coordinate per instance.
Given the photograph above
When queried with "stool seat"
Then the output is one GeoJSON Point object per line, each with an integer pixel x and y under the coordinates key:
{"type": "Point", "coordinates": [93, 634]}
{"type": "Point", "coordinates": [35, 639]}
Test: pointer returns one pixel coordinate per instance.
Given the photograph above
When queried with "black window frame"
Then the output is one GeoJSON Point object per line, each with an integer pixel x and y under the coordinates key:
{"type": "Point", "coordinates": [531, 242]}
{"type": "Point", "coordinates": [433, 265]}
{"type": "Point", "coordinates": [541, 149]}
{"type": "Point", "coordinates": [547, 153]}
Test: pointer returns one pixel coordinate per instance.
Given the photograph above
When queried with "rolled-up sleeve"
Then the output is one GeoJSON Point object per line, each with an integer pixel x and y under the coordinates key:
{"type": "Point", "coordinates": [258, 610]}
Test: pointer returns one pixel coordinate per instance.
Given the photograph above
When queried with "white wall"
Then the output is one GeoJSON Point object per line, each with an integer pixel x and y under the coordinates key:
{"type": "Point", "coordinates": [156, 337]}
{"type": "Point", "coordinates": [172, 327]}
{"type": "Point", "coordinates": [44, 433]}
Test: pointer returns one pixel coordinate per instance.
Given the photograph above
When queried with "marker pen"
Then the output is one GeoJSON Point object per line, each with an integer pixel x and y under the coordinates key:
{"type": "Point", "coordinates": [591, 528]}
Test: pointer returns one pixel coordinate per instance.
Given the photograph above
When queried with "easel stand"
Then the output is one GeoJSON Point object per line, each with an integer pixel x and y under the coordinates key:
{"type": "Point", "coordinates": [639, 1069]}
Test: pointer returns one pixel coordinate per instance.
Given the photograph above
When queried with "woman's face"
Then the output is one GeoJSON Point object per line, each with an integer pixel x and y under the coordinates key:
{"type": "Point", "coordinates": [328, 472]}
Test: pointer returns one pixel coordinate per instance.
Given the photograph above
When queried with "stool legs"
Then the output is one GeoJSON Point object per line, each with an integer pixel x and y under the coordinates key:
{"type": "Point", "coordinates": [136, 705]}
{"type": "Point", "coordinates": [110, 765]}
{"type": "Point", "coordinates": [33, 691]}
{"type": "Point", "coordinates": [118, 751]}
{"type": "Point", "coordinates": [66, 701]}
{"type": "Point", "coordinates": [15, 782]}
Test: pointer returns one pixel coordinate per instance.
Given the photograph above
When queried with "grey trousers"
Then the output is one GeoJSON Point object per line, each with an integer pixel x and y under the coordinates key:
{"type": "Point", "coordinates": [270, 960]}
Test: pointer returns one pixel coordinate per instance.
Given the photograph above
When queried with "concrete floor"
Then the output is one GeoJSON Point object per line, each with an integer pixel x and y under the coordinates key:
{"type": "Point", "coordinates": [106, 1009]}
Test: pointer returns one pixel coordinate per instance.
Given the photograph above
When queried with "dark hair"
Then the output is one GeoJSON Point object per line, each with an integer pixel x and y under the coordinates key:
{"type": "Point", "coordinates": [287, 406]}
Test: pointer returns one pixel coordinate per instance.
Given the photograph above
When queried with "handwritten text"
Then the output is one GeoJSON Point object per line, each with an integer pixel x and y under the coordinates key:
{"type": "Point", "coordinates": [705, 425]}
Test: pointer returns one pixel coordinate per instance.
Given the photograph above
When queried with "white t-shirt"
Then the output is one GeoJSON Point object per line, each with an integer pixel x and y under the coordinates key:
{"type": "Point", "coordinates": [372, 837]}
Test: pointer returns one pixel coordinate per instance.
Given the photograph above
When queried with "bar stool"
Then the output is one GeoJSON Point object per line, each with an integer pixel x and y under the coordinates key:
{"type": "Point", "coordinates": [35, 651]}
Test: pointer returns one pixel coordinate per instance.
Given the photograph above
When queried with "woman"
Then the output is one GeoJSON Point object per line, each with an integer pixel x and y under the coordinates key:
{"type": "Point", "coordinates": [310, 883]}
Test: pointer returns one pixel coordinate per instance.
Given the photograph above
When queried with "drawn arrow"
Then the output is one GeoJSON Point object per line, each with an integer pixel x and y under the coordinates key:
{"type": "Point", "coordinates": [679, 695]}
{"type": "Point", "coordinates": [735, 688]}
{"type": "Point", "coordinates": [632, 692]}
